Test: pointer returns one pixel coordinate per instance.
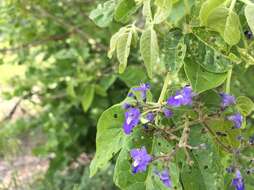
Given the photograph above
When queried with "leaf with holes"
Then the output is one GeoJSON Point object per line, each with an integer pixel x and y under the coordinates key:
{"type": "Point", "coordinates": [207, 172]}
{"type": "Point", "coordinates": [225, 133]}
{"type": "Point", "coordinates": [174, 50]}
{"type": "Point", "coordinates": [103, 14]}
{"type": "Point", "coordinates": [207, 57]}
{"type": "Point", "coordinates": [163, 10]}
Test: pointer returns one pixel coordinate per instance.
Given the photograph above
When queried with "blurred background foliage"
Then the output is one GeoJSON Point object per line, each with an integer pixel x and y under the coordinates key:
{"type": "Point", "coordinates": [54, 64]}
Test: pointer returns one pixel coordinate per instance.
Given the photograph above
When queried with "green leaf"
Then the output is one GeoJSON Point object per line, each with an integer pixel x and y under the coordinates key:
{"type": "Point", "coordinates": [232, 33]}
{"type": "Point", "coordinates": [163, 10]}
{"type": "Point", "coordinates": [134, 75]}
{"type": "Point", "coordinates": [244, 105]}
{"type": "Point", "coordinates": [123, 49]}
{"type": "Point", "coordinates": [178, 12]}
{"type": "Point", "coordinates": [206, 9]}
{"type": "Point", "coordinates": [88, 96]}
{"type": "Point", "coordinates": [124, 9]}
{"type": "Point", "coordinates": [174, 50]}
{"type": "Point", "coordinates": [207, 172]}
{"type": "Point", "coordinates": [149, 49]}
{"type": "Point", "coordinates": [70, 89]}
{"type": "Point", "coordinates": [210, 59]}
{"type": "Point", "coordinates": [200, 79]}
{"type": "Point", "coordinates": [249, 10]}
{"type": "Point", "coordinates": [224, 132]}
{"type": "Point", "coordinates": [225, 22]}
{"type": "Point", "coordinates": [103, 14]}
{"type": "Point", "coordinates": [110, 137]}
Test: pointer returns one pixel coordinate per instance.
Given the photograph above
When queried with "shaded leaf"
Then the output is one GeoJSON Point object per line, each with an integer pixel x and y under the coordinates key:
{"type": "Point", "coordinates": [88, 96]}
{"type": "Point", "coordinates": [134, 75]}
{"type": "Point", "coordinates": [200, 79]}
{"type": "Point", "coordinates": [124, 9]}
{"type": "Point", "coordinates": [244, 105]}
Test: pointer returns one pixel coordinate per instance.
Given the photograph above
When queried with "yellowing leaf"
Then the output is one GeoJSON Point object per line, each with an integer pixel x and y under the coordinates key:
{"type": "Point", "coordinates": [123, 49]}
{"type": "Point", "coordinates": [149, 49]}
{"type": "Point", "coordinates": [163, 10]}
{"type": "Point", "coordinates": [249, 14]}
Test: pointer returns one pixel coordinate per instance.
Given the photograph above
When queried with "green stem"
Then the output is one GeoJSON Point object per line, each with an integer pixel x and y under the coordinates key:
{"type": "Point", "coordinates": [164, 89]}
{"type": "Point", "coordinates": [228, 81]}
{"type": "Point", "coordinates": [232, 5]}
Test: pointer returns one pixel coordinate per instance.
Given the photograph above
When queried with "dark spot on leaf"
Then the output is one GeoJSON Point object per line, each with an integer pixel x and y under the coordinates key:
{"type": "Point", "coordinates": [205, 167]}
{"type": "Point", "coordinates": [222, 134]}
{"type": "Point", "coordinates": [115, 115]}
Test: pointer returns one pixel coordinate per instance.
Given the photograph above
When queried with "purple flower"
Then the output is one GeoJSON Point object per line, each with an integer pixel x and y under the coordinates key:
{"type": "Point", "coordinates": [237, 119]}
{"type": "Point", "coordinates": [181, 98]}
{"type": "Point", "coordinates": [168, 113]}
{"type": "Point", "coordinates": [130, 94]}
{"type": "Point", "coordinates": [165, 178]}
{"type": "Point", "coordinates": [227, 100]}
{"type": "Point", "coordinates": [132, 116]}
{"type": "Point", "coordinates": [143, 88]}
{"type": "Point", "coordinates": [238, 181]}
{"type": "Point", "coordinates": [140, 159]}
{"type": "Point", "coordinates": [126, 106]}
{"type": "Point", "coordinates": [150, 117]}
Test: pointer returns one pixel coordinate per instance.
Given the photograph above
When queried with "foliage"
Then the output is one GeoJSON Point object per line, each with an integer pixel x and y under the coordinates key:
{"type": "Point", "coordinates": [197, 125]}
{"type": "Point", "coordinates": [208, 138]}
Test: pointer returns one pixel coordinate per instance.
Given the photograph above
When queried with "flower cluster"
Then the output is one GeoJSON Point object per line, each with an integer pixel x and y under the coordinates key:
{"type": "Point", "coordinates": [133, 116]}
{"type": "Point", "coordinates": [138, 110]}
{"type": "Point", "coordinates": [141, 159]}
{"type": "Point", "coordinates": [181, 98]}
